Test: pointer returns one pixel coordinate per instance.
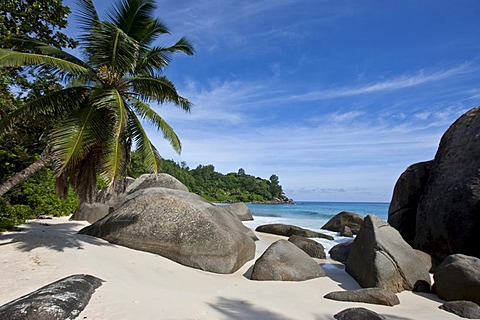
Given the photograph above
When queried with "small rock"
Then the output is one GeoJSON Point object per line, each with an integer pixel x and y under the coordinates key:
{"type": "Point", "coordinates": [368, 295]}
{"type": "Point", "coordinates": [309, 246]}
{"type": "Point", "coordinates": [462, 308]}
{"type": "Point", "coordinates": [289, 230]}
{"type": "Point", "coordinates": [358, 314]}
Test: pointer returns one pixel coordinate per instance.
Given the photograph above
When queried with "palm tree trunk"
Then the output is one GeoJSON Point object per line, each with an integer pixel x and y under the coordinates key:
{"type": "Point", "coordinates": [26, 173]}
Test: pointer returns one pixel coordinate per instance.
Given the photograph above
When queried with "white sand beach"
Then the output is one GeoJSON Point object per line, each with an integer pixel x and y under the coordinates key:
{"type": "Point", "coordinates": [141, 285]}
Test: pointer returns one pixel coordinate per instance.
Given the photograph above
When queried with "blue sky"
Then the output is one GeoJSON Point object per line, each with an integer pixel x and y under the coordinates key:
{"type": "Point", "coordinates": [335, 97]}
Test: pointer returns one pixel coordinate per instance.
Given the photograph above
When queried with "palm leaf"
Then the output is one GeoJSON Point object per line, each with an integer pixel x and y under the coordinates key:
{"type": "Point", "coordinates": [56, 104]}
{"type": "Point", "coordinates": [9, 58]}
{"type": "Point", "coordinates": [148, 114]}
{"type": "Point", "coordinates": [158, 89]}
{"type": "Point", "coordinates": [87, 16]}
{"type": "Point", "coordinates": [148, 152]}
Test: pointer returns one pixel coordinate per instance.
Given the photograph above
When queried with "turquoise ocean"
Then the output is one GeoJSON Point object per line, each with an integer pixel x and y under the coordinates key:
{"type": "Point", "coordinates": [312, 215]}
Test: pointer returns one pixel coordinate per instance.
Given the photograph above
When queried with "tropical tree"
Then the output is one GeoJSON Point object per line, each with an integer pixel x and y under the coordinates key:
{"type": "Point", "coordinates": [100, 112]}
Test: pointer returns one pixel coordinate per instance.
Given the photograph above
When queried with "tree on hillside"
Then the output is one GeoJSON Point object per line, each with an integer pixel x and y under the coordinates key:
{"type": "Point", "coordinates": [99, 114]}
{"type": "Point", "coordinates": [274, 186]}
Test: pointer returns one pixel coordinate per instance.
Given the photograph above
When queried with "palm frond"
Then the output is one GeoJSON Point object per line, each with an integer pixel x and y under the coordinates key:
{"type": "Point", "coordinates": [109, 46]}
{"type": "Point", "coordinates": [183, 45]}
{"type": "Point", "coordinates": [10, 58]}
{"type": "Point", "coordinates": [148, 152]}
{"type": "Point", "coordinates": [53, 105]}
{"type": "Point", "coordinates": [86, 16]}
{"type": "Point", "coordinates": [158, 89]}
{"type": "Point", "coordinates": [114, 157]}
{"type": "Point", "coordinates": [74, 136]}
{"type": "Point", "coordinates": [148, 114]}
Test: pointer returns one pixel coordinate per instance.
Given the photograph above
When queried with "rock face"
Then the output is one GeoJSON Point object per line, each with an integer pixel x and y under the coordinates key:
{"type": "Point", "coordinates": [341, 251]}
{"type": "Point", "coordinates": [63, 299]}
{"type": "Point", "coordinates": [344, 219]}
{"type": "Point", "coordinates": [283, 261]}
{"type": "Point", "coordinates": [241, 210]}
{"type": "Point", "coordinates": [402, 213]}
{"type": "Point", "coordinates": [309, 246]}
{"type": "Point", "coordinates": [91, 212]}
{"type": "Point", "coordinates": [358, 314]}
{"type": "Point", "coordinates": [180, 226]}
{"type": "Point", "coordinates": [160, 180]}
{"type": "Point", "coordinates": [380, 258]}
{"type": "Point", "coordinates": [458, 278]}
{"type": "Point", "coordinates": [289, 230]}
{"type": "Point", "coordinates": [448, 216]}
{"type": "Point", "coordinates": [464, 309]}
{"type": "Point", "coordinates": [368, 295]}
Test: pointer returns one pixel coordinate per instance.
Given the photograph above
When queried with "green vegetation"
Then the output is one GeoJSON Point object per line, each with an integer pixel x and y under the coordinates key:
{"type": "Point", "coordinates": [215, 186]}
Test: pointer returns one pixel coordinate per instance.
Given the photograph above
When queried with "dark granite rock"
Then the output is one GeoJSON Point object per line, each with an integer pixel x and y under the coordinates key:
{"type": "Point", "coordinates": [464, 309]}
{"type": "Point", "coordinates": [311, 247]}
{"type": "Point", "coordinates": [458, 278]}
{"type": "Point", "coordinates": [341, 251]}
{"type": "Point", "coordinates": [402, 212]}
{"type": "Point", "coordinates": [368, 295]}
{"type": "Point", "coordinates": [346, 232]}
{"type": "Point", "coordinates": [91, 212]}
{"type": "Point", "coordinates": [448, 215]}
{"type": "Point", "coordinates": [180, 226]}
{"type": "Point", "coordinates": [62, 299]}
{"type": "Point", "coordinates": [342, 219]}
{"type": "Point", "coordinates": [379, 257]}
{"type": "Point", "coordinates": [289, 230]}
{"type": "Point", "coordinates": [283, 261]}
{"type": "Point", "coordinates": [358, 314]}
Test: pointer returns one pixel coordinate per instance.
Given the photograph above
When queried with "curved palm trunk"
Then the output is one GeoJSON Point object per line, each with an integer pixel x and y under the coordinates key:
{"type": "Point", "coordinates": [26, 173]}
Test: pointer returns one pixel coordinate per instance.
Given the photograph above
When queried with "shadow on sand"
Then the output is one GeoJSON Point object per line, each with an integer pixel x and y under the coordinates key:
{"type": "Point", "coordinates": [57, 237]}
{"type": "Point", "coordinates": [337, 273]}
{"type": "Point", "coordinates": [244, 310]}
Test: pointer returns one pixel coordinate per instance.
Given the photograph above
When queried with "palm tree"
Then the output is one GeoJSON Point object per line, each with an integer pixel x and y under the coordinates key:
{"type": "Point", "coordinates": [99, 113]}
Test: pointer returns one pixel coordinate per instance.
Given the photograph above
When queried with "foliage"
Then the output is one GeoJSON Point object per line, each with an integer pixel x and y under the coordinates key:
{"type": "Point", "coordinates": [215, 186]}
{"type": "Point", "coordinates": [99, 114]}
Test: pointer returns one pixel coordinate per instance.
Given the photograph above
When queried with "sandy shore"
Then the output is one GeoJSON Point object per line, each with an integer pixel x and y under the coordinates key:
{"type": "Point", "coordinates": [141, 285]}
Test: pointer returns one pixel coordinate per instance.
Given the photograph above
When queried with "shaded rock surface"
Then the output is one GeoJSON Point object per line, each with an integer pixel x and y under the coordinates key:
{"type": "Point", "coordinates": [160, 180]}
{"type": "Point", "coordinates": [448, 215]}
{"type": "Point", "coordinates": [62, 299]}
{"type": "Point", "coordinates": [309, 246]}
{"type": "Point", "coordinates": [464, 309]}
{"type": "Point", "coordinates": [91, 212]}
{"type": "Point", "coordinates": [458, 278]}
{"type": "Point", "coordinates": [346, 232]}
{"type": "Point", "coordinates": [180, 226]}
{"type": "Point", "coordinates": [358, 314]}
{"type": "Point", "coordinates": [368, 295]}
{"type": "Point", "coordinates": [241, 210]}
{"type": "Point", "coordinates": [289, 230]}
{"type": "Point", "coordinates": [283, 261]}
{"type": "Point", "coordinates": [341, 251]}
{"type": "Point", "coordinates": [402, 212]}
{"type": "Point", "coordinates": [379, 257]}
{"type": "Point", "coordinates": [344, 219]}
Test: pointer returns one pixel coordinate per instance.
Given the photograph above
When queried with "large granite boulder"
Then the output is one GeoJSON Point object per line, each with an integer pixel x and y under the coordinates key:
{"type": "Point", "coordinates": [289, 230]}
{"type": "Point", "coordinates": [464, 309]}
{"type": "Point", "coordinates": [367, 295]}
{"type": "Point", "coordinates": [341, 251]}
{"type": "Point", "coordinates": [458, 278]}
{"type": "Point", "coordinates": [159, 180]}
{"type": "Point", "coordinates": [344, 219]}
{"type": "Point", "coordinates": [180, 226]}
{"type": "Point", "coordinates": [309, 246]}
{"type": "Point", "coordinates": [448, 215]}
{"type": "Point", "coordinates": [91, 212]}
{"type": "Point", "coordinates": [62, 299]}
{"type": "Point", "coordinates": [283, 261]}
{"type": "Point", "coordinates": [241, 210]}
{"type": "Point", "coordinates": [110, 197]}
{"type": "Point", "coordinates": [379, 257]}
{"type": "Point", "coordinates": [402, 213]}
{"type": "Point", "coordinates": [358, 314]}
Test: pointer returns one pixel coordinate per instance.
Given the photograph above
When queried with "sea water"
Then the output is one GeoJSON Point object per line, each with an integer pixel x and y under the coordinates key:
{"type": "Point", "coordinates": [312, 215]}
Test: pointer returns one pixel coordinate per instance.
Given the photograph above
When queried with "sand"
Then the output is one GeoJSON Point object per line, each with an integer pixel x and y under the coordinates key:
{"type": "Point", "coordinates": [141, 285]}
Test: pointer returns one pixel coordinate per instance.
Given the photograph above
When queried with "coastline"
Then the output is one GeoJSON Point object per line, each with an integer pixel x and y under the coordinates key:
{"type": "Point", "coordinates": [146, 286]}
